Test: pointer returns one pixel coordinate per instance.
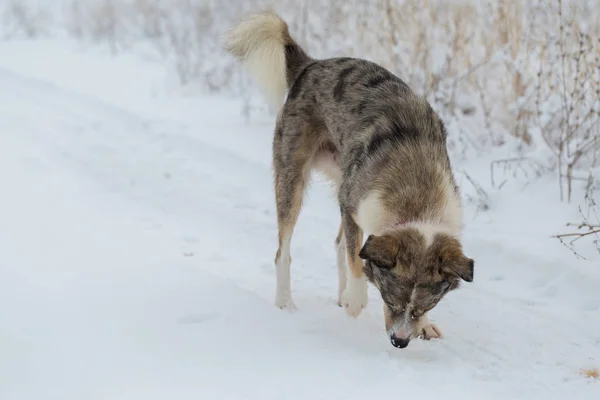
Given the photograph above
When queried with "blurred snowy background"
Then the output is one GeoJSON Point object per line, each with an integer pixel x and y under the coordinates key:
{"type": "Point", "coordinates": [521, 76]}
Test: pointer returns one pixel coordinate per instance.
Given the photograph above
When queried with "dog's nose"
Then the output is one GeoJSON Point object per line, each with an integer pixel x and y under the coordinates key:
{"type": "Point", "coordinates": [399, 343]}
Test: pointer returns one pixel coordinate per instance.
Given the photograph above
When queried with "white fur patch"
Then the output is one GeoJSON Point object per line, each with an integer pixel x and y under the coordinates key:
{"type": "Point", "coordinates": [371, 216]}
{"type": "Point", "coordinates": [340, 256]}
{"type": "Point", "coordinates": [259, 41]}
{"type": "Point", "coordinates": [326, 163]}
{"type": "Point", "coordinates": [403, 329]}
{"type": "Point", "coordinates": [426, 330]}
{"type": "Point", "coordinates": [355, 296]}
{"type": "Point", "coordinates": [283, 291]}
{"type": "Point", "coordinates": [429, 230]}
{"type": "Point", "coordinates": [452, 212]}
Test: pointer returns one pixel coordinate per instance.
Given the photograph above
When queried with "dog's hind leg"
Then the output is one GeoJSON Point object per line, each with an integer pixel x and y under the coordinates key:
{"type": "Point", "coordinates": [289, 188]}
{"type": "Point", "coordinates": [340, 257]}
{"type": "Point", "coordinates": [292, 154]}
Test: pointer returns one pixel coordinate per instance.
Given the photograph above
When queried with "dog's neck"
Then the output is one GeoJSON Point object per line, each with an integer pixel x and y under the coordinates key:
{"type": "Point", "coordinates": [428, 228]}
{"type": "Point", "coordinates": [395, 226]}
{"type": "Point", "coordinates": [402, 223]}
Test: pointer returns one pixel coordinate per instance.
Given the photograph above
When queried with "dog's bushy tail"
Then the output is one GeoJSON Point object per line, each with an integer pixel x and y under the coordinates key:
{"type": "Point", "coordinates": [262, 42]}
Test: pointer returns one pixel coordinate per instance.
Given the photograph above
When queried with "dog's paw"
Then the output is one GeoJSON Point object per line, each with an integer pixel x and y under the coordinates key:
{"type": "Point", "coordinates": [354, 298]}
{"type": "Point", "coordinates": [285, 303]}
{"type": "Point", "coordinates": [429, 331]}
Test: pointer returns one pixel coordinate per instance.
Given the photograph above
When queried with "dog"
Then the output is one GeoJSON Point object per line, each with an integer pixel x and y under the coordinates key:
{"type": "Point", "coordinates": [384, 148]}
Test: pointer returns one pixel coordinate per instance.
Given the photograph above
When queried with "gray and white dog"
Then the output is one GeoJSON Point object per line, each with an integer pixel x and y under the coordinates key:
{"type": "Point", "coordinates": [384, 148]}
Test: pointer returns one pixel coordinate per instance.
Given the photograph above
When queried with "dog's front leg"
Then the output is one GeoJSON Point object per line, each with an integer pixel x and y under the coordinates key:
{"type": "Point", "coordinates": [340, 258]}
{"type": "Point", "coordinates": [354, 297]}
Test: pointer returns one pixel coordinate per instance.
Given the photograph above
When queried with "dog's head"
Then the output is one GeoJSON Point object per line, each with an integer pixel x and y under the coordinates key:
{"type": "Point", "coordinates": [413, 276]}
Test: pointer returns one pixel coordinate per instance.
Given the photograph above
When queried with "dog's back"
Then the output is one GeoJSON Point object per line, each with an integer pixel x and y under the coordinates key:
{"type": "Point", "coordinates": [382, 135]}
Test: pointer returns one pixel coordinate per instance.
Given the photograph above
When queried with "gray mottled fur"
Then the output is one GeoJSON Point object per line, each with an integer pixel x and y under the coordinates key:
{"type": "Point", "coordinates": [381, 130]}
{"type": "Point", "coordinates": [380, 135]}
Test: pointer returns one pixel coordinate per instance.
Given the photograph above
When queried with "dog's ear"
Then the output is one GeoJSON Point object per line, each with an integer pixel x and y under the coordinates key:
{"type": "Point", "coordinates": [450, 258]}
{"type": "Point", "coordinates": [462, 268]}
{"type": "Point", "coordinates": [382, 250]}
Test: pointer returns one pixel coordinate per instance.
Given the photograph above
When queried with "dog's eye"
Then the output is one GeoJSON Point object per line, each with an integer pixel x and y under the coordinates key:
{"type": "Point", "coordinates": [394, 308]}
{"type": "Point", "coordinates": [381, 266]}
{"type": "Point", "coordinates": [399, 310]}
{"type": "Point", "coordinates": [415, 315]}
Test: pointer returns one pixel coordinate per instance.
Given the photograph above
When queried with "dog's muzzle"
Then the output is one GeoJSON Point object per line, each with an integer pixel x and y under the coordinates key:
{"type": "Point", "coordinates": [400, 335]}
{"type": "Point", "coordinates": [399, 342]}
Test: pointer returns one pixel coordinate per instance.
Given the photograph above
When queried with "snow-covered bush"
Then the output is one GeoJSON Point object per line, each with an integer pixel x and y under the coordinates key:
{"type": "Point", "coordinates": [519, 74]}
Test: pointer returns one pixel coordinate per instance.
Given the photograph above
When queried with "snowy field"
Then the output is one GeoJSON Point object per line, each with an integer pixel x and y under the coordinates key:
{"type": "Point", "coordinates": [137, 237]}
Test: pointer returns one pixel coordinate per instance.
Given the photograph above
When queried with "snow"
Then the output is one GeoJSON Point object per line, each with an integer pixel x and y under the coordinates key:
{"type": "Point", "coordinates": [137, 237]}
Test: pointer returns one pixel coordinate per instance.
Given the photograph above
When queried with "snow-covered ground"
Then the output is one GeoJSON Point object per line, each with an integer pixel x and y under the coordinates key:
{"type": "Point", "coordinates": [137, 237]}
